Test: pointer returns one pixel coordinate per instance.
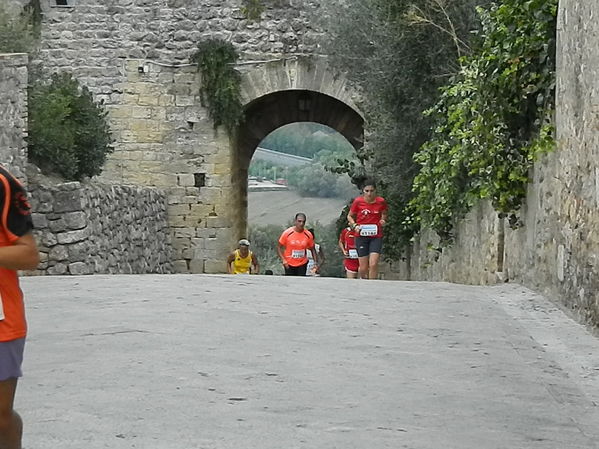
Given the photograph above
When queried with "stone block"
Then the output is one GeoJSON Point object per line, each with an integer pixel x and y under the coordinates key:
{"type": "Point", "coordinates": [75, 220]}
{"type": "Point", "coordinates": [72, 236]}
{"type": "Point", "coordinates": [215, 266]}
{"type": "Point", "coordinates": [58, 253]}
{"type": "Point", "coordinates": [67, 201]}
{"type": "Point", "coordinates": [181, 266]}
{"type": "Point", "coordinates": [79, 268]}
{"type": "Point", "coordinates": [186, 180]}
{"type": "Point", "coordinates": [39, 221]}
{"type": "Point", "coordinates": [58, 269]}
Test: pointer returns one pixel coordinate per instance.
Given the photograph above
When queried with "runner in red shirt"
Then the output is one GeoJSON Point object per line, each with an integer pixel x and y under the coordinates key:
{"type": "Point", "coordinates": [293, 246]}
{"type": "Point", "coordinates": [347, 243]}
{"type": "Point", "coordinates": [367, 216]}
{"type": "Point", "coordinates": [18, 251]}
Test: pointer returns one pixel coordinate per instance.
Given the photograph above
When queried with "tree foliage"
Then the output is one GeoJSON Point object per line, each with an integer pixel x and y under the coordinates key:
{"type": "Point", "coordinates": [493, 119]}
{"type": "Point", "coordinates": [68, 131]}
{"type": "Point", "coordinates": [456, 92]}
{"type": "Point", "coordinates": [399, 53]}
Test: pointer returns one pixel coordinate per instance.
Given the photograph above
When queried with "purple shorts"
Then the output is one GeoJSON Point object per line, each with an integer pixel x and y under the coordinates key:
{"type": "Point", "coordinates": [11, 357]}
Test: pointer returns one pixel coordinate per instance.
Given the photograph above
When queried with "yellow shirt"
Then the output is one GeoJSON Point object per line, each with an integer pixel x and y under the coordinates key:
{"type": "Point", "coordinates": [242, 265]}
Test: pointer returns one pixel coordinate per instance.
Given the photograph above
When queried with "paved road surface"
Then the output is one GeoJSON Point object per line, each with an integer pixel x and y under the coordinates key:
{"type": "Point", "coordinates": [263, 362]}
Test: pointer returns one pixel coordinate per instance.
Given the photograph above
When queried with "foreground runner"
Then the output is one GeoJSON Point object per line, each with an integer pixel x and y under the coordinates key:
{"type": "Point", "coordinates": [242, 260]}
{"type": "Point", "coordinates": [18, 251]}
{"type": "Point", "coordinates": [293, 246]}
{"type": "Point", "coordinates": [367, 216]}
{"type": "Point", "coordinates": [347, 243]}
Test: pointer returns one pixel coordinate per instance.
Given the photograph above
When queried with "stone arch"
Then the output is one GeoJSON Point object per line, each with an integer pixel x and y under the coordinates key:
{"type": "Point", "coordinates": [278, 93]}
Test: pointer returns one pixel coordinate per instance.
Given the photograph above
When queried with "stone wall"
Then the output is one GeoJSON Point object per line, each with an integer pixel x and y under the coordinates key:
{"type": "Point", "coordinates": [13, 113]}
{"type": "Point", "coordinates": [556, 252]}
{"type": "Point", "coordinates": [134, 56]}
{"type": "Point", "coordinates": [88, 229]}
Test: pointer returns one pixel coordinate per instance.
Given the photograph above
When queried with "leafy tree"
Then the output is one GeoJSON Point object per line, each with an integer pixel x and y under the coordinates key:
{"type": "Point", "coordinates": [399, 53]}
{"type": "Point", "coordinates": [493, 119]}
{"type": "Point", "coordinates": [68, 131]}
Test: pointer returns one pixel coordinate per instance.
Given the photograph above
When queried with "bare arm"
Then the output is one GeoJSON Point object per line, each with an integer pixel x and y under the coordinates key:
{"type": "Point", "coordinates": [230, 260]}
{"type": "Point", "coordinates": [342, 245]}
{"type": "Point", "coordinates": [383, 217]}
{"type": "Point", "coordinates": [256, 264]}
{"type": "Point", "coordinates": [351, 219]}
{"type": "Point", "coordinates": [314, 255]}
{"type": "Point", "coordinates": [21, 255]}
{"type": "Point", "coordinates": [280, 250]}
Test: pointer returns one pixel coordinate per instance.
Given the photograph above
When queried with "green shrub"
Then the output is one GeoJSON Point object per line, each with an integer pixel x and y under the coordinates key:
{"type": "Point", "coordinates": [68, 132]}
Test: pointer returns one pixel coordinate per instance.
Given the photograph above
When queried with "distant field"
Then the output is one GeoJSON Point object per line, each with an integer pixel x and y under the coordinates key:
{"type": "Point", "coordinates": [279, 208]}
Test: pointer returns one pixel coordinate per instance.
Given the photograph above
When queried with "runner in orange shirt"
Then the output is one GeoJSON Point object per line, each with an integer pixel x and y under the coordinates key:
{"type": "Point", "coordinates": [18, 251]}
{"type": "Point", "coordinates": [293, 246]}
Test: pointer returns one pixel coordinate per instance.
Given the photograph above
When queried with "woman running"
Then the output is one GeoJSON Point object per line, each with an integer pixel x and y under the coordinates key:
{"type": "Point", "coordinates": [367, 216]}
{"type": "Point", "coordinates": [347, 243]}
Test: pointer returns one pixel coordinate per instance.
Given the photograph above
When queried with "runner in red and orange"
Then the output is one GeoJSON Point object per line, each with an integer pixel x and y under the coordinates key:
{"type": "Point", "coordinates": [18, 251]}
{"type": "Point", "coordinates": [367, 216]}
{"type": "Point", "coordinates": [293, 246]}
{"type": "Point", "coordinates": [347, 243]}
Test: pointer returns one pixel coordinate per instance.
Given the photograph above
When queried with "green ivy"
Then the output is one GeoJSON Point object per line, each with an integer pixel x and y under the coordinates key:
{"type": "Point", "coordinates": [220, 90]}
{"type": "Point", "coordinates": [493, 120]}
{"type": "Point", "coordinates": [252, 9]}
{"type": "Point", "coordinates": [68, 131]}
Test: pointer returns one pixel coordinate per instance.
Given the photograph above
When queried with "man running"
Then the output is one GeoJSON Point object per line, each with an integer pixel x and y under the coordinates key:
{"type": "Point", "coordinates": [18, 251]}
{"type": "Point", "coordinates": [293, 246]}
{"type": "Point", "coordinates": [242, 260]}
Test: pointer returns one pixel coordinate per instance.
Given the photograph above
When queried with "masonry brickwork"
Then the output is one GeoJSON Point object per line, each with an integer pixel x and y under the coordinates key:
{"type": "Point", "coordinates": [556, 252]}
{"type": "Point", "coordinates": [81, 229]}
{"type": "Point", "coordinates": [13, 113]}
{"type": "Point", "coordinates": [134, 56]}
{"type": "Point", "coordinates": [94, 228]}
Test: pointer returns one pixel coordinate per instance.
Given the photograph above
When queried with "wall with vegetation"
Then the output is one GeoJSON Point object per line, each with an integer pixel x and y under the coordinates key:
{"type": "Point", "coordinates": [13, 113]}
{"type": "Point", "coordinates": [556, 251]}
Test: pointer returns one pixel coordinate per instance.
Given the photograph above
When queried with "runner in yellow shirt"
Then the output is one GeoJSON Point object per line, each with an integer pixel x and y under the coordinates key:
{"type": "Point", "coordinates": [242, 260]}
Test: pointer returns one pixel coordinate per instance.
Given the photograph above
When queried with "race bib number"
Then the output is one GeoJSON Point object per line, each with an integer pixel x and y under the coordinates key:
{"type": "Point", "coordinates": [298, 253]}
{"type": "Point", "coordinates": [353, 253]}
{"type": "Point", "coordinates": [1, 309]}
{"type": "Point", "coordinates": [368, 230]}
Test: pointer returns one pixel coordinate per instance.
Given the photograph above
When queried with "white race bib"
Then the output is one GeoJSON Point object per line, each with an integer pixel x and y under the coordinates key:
{"type": "Point", "coordinates": [1, 309]}
{"type": "Point", "coordinates": [353, 253]}
{"type": "Point", "coordinates": [368, 230]}
{"type": "Point", "coordinates": [298, 253]}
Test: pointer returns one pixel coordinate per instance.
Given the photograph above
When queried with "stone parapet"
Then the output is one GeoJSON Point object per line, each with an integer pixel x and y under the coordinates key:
{"type": "Point", "coordinates": [93, 229]}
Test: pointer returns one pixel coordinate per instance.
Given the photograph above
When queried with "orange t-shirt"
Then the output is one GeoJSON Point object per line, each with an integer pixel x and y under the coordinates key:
{"type": "Point", "coordinates": [15, 222]}
{"type": "Point", "coordinates": [296, 246]}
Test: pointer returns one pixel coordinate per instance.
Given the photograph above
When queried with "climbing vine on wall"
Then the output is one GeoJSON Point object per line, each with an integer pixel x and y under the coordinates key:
{"type": "Point", "coordinates": [220, 90]}
{"type": "Point", "coordinates": [493, 120]}
{"type": "Point", "coordinates": [253, 9]}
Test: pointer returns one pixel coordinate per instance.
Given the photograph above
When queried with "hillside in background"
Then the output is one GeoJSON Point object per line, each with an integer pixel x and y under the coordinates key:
{"type": "Point", "coordinates": [279, 208]}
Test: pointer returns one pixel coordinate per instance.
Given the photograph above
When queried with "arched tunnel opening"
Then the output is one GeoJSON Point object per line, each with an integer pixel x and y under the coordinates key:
{"type": "Point", "coordinates": [272, 111]}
